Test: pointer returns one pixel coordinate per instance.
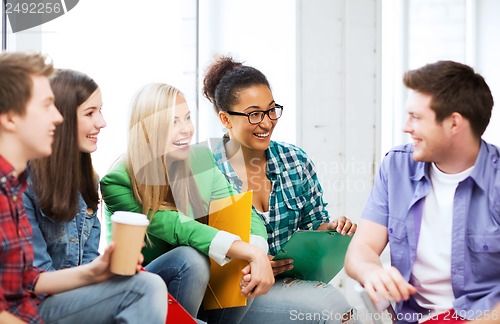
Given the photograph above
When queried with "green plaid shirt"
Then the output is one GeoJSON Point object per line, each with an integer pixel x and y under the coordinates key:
{"type": "Point", "coordinates": [296, 200]}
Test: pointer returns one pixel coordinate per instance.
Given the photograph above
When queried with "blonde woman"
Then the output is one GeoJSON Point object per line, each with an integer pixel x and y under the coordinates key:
{"type": "Point", "coordinates": [172, 182]}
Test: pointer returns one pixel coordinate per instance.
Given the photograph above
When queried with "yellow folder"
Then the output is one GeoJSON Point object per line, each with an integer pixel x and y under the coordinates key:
{"type": "Point", "coordinates": [231, 214]}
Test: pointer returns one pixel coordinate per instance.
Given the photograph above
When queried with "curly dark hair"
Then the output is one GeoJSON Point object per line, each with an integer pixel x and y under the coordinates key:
{"type": "Point", "coordinates": [225, 78]}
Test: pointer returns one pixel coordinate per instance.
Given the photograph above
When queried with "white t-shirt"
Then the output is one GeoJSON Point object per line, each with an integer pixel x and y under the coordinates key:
{"type": "Point", "coordinates": [265, 215]}
{"type": "Point", "coordinates": [431, 273]}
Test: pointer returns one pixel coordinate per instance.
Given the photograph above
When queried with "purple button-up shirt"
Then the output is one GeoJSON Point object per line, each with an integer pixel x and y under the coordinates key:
{"type": "Point", "coordinates": [396, 202]}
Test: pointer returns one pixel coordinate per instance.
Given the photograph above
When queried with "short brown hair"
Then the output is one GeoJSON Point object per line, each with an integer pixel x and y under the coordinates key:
{"type": "Point", "coordinates": [454, 87]}
{"type": "Point", "coordinates": [16, 85]}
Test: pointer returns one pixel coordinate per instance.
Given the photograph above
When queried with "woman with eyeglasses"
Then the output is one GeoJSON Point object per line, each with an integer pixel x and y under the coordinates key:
{"type": "Point", "coordinates": [286, 191]}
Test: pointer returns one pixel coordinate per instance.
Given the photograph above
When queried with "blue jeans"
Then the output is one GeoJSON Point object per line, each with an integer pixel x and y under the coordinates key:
{"type": "Point", "coordinates": [186, 271]}
{"type": "Point", "coordinates": [137, 299]}
{"type": "Point", "coordinates": [227, 315]}
{"type": "Point", "coordinates": [294, 300]}
{"type": "Point", "coordinates": [289, 301]}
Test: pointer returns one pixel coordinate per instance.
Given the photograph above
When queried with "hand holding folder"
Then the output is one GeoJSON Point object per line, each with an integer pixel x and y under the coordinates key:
{"type": "Point", "coordinates": [231, 214]}
{"type": "Point", "coordinates": [317, 255]}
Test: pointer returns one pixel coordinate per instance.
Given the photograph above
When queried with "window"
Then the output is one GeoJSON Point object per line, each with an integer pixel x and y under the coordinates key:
{"type": "Point", "coordinates": [3, 26]}
{"type": "Point", "coordinates": [417, 32]}
{"type": "Point", "coordinates": [124, 46]}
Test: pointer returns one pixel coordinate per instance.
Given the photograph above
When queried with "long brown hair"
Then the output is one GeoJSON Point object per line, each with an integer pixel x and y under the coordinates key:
{"type": "Point", "coordinates": [155, 185]}
{"type": "Point", "coordinates": [59, 178]}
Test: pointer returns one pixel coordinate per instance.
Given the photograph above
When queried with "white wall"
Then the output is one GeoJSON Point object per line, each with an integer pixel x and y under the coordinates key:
{"type": "Point", "coordinates": [487, 52]}
{"type": "Point", "coordinates": [260, 33]}
{"type": "Point", "coordinates": [338, 95]}
{"type": "Point", "coordinates": [123, 47]}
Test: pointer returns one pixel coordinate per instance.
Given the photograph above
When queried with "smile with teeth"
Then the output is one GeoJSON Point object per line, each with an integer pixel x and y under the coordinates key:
{"type": "Point", "coordinates": [92, 137]}
{"type": "Point", "coordinates": [261, 135]}
{"type": "Point", "coordinates": [181, 144]}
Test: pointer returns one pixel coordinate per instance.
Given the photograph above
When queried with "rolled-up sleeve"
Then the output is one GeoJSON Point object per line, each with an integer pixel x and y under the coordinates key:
{"type": "Point", "coordinates": [220, 246]}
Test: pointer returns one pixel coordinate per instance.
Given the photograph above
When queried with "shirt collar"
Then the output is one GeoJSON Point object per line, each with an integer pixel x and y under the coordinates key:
{"type": "Point", "coordinates": [9, 174]}
{"type": "Point", "coordinates": [221, 159]}
{"type": "Point", "coordinates": [486, 155]}
{"type": "Point", "coordinates": [478, 174]}
{"type": "Point", "coordinates": [421, 170]}
{"type": "Point", "coordinates": [273, 166]}
{"type": "Point", "coordinates": [272, 154]}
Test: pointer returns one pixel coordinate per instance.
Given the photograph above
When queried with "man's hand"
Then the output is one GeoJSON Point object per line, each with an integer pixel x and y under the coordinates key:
{"type": "Point", "coordinates": [99, 267]}
{"type": "Point", "coordinates": [388, 283]}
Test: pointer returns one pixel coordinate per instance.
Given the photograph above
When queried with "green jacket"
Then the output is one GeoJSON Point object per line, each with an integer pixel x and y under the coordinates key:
{"type": "Point", "coordinates": [172, 228]}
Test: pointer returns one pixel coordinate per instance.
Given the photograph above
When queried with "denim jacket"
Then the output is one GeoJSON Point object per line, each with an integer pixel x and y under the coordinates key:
{"type": "Point", "coordinates": [59, 245]}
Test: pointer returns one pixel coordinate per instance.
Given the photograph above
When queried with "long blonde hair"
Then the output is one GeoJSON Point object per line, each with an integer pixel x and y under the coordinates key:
{"type": "Point", "coordinates": [155, 186]}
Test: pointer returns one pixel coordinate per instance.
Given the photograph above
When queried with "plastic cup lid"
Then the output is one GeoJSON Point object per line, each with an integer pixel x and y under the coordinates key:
{"type": "Point", "coordinates": [130, 218]}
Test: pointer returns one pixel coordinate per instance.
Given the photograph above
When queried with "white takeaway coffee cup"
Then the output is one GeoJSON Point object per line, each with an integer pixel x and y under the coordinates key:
{"type": "Point", "coordinates": [128, 230]}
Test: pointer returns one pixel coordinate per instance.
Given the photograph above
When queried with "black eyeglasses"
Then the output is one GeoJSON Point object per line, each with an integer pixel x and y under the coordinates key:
{"type": "Point", "coordinates": [257, 116]}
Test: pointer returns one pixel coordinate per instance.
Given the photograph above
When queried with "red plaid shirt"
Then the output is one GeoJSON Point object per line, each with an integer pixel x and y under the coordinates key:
{"type": "Point", "coordinates": [17, 275]}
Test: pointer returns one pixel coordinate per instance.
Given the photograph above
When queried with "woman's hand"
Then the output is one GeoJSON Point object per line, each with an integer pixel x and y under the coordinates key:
{"type": "Point", "coordinates": [342, 225]}
{"type": "Point", "coordinates": [280, 266]}
{"type": "Point", "coordinates": [258, 276]}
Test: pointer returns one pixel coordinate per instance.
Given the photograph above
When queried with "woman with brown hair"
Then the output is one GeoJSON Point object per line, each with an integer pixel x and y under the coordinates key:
{"type": "Point", "coordinates": [61, 204]}
{"type": "Point", "coordinates": [62, 197]}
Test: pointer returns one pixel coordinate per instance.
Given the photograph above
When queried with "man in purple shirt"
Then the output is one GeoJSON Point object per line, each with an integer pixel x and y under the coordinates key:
{"type": "Point", "coordinates": [437, 203]}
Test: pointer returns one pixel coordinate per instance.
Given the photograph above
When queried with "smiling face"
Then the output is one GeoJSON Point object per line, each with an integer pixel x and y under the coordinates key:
{"type": "Point", "coordinates": [181, 131]}
{"type": "Point", "coordinates": [253, 137]}
{"type": "Point", "coordinates": [431, 140]}
{"type": "Point", "coordinates": [90, 121]}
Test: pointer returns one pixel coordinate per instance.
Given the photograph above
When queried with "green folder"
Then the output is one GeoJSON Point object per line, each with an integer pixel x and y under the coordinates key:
{"type": "Point", "coordinates": [317, 255]}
